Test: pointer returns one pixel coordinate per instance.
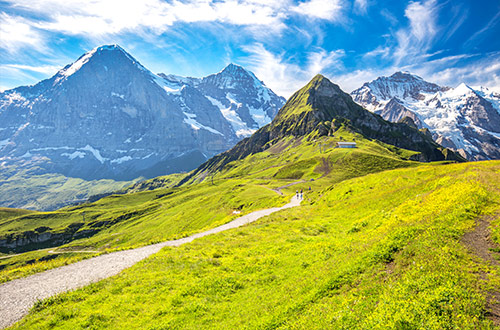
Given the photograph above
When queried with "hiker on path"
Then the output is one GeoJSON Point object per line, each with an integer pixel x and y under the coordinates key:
{"type": "Point", "coordinates": [297, 192]}
{"type": "Point", "coordinates": [301, 193]}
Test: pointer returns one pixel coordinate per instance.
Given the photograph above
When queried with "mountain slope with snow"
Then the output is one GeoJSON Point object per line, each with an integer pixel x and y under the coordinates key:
{"type": "Point", "coordinates": [463, 119]}
{"type": "Point", "coordinates": [244, 100]}
{"type": "Point", "coordinates": [107, 116]}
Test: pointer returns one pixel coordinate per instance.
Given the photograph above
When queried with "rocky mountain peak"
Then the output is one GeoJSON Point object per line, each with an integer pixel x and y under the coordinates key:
{"type": "Point", "coordinates": [462, 89]}
{"type": "Point", "coordinates": [320, 108]}
{"type": "Point", "coordinates": [321, 86]}
{"type": "Point", "coordinates": [403, 76]}
{"type": "Point", "coordinates": [399, 86]}
{"type": "Point", "coordinates": [233, 77]}
{"type": "Point", "coordinates": [105, 58]}
{"type": "Point", "coordinates": [235, 70]}
{"type": "Point", "coordinates": [313, 98]}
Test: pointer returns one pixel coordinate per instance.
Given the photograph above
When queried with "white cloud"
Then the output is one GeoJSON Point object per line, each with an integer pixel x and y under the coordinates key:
{"type": "Point", "coordinates": [486, 28]}
{"type": "Point", "coordinates": [17, 33]}
{"type": "Point", "coordinates": [390, 18]}
{"type": "Point", "coordinates": [422, 18]}
{"type": "Point", "coordinates": [330, 10]}
{"type": "Point", "coordinates": [94, 19]}
{"type": "Point", "coordinates": [383, 52]}
{"type": "Point", "coordinates": [12, 76]}
{"type": "Point", "coordinates": [104, 20]}
{"type": "Point", "coordinates": [45, 69]}
{"type": "Point", "coordinates": [453, 70]}
{"type": "Point", "coordinates": [419, 36]}
{"type": "Point", "coordinates": [97, 18]}
{"type": "Point", "coordinates": [361, 6]}
{"type": "Point", "coordinates": [283, 76]}
{"type": "Point", "coordinates": [460, 14]}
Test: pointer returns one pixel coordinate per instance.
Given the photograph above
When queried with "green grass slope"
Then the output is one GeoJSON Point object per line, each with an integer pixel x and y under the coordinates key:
{"type": "Point", "coordinates": [377, 243]}
{"type": "Point", "coordinates": [381, 251]}
{"type": "Point", "coordinates": [128, 221]}
{"type": "Point", "coordinates": [6, 213]}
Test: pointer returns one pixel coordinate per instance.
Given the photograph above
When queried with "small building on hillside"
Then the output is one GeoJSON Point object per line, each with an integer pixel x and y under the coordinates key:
{"type": "Point", "coordinates": [346, 144]}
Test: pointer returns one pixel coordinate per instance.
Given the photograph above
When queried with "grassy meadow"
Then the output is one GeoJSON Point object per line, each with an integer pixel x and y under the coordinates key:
{"type": "Point", "coordinates": [376, 244]}
{"type": "Point", "coordinates": [382, 251]}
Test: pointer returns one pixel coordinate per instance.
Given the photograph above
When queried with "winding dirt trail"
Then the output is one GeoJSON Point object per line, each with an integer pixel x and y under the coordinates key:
{"type": "Point", "coordinates": [18, 296]}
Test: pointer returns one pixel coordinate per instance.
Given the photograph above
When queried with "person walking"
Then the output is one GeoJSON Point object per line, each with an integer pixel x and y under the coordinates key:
{"type": "Point", "coordinates": [301, 192]}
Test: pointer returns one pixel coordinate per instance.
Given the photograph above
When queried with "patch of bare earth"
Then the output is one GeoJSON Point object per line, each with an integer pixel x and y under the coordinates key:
{"type": "Point", "coordinates": [279, 147]}
{"type": "Point", "coordinates": [324, 167]}
{"type": "Point", "coordinates": [480, 243]}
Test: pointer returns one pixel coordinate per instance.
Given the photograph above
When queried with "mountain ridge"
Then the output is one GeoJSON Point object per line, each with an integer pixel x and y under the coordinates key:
{"type": "Point", "coordinates": [464, 119]}
{"type": "Point", "coordinates": [321, 108]}
{"type": "Point", "coordinates": [107, 116]}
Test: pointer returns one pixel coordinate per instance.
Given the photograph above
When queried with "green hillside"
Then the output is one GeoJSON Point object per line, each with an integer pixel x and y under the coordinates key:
{"type": "Point", "coordinates": [382, 251]}
{"type": "Point", "coordinates": [149, 216]}
{"type": "Point", "coordinates": [6, 213]}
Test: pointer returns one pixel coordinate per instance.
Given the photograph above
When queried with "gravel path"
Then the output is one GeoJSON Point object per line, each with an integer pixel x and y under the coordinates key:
{"type": "Point", "coordinates": [18, 296]}
{"type": "Point", "coordinates": [278, 190]}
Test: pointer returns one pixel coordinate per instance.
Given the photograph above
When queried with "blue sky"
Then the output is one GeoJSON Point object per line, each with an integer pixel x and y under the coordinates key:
{"type": "Point", "coordinates": [285, 43]}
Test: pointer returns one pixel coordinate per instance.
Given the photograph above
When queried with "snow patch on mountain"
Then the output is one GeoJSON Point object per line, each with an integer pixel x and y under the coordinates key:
{"type": "Point", "coordinates": [94, 152]}
{"type": "Point", "coordinates": [259, 116]}
{"type": "Point", "coordinates": [73, 155]}
{"type": "Point", "coordinates": [66, 72]}
{"type": "Point", "coordinates": [167, 86]}
{"type": "Point", "coordinates": [238, 125]}
{"type": "Point", "coordinates": [121, 160]}
{"type": "Point", "coordinates": [190, 120]}
{"type": "Point", "coordinates": [489, 94]}
{"type": "Point", "coordinates": [118, 95]}
{"type": "Point", "coordinates": [13, 97]}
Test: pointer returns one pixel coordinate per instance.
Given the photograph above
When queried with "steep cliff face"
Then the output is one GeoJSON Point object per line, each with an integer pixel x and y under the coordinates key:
{"type": "Point", "coordinates": [464, 119]}
{"type": "Point", "coordinates": [106, 116]}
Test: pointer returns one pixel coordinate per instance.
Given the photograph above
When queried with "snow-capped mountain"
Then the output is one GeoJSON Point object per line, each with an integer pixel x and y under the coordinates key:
{"type": "Point", "coordinates": [463, 118]}
{"type": "Point", "coordinates": [107, 116]}
{"type": "Point", "coordinates": [245, 102]}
